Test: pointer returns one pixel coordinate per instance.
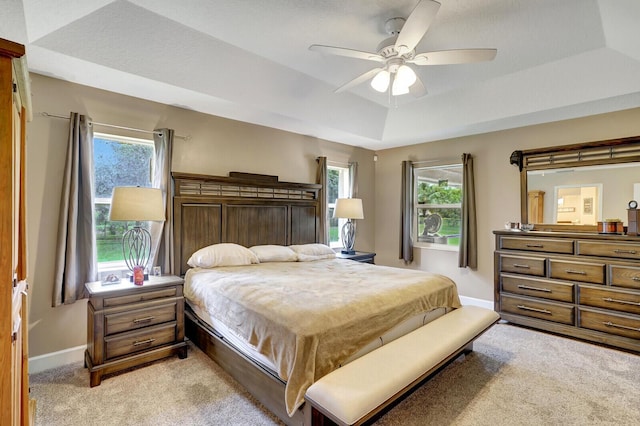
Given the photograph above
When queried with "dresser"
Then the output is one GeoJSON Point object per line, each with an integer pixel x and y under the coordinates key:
{"type": "Point", "coordinates": [129, 325]}
{"type": "Point", "coordinates": [576, 284]}
{"type": "Point", "coordinates": [16, 408]}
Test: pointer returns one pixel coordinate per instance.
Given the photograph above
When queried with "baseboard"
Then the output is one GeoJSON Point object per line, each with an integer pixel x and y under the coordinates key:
{"type": "Point", "coordinates": [476, 302]}
{"type": "Point", "coordinates": [56, 359]}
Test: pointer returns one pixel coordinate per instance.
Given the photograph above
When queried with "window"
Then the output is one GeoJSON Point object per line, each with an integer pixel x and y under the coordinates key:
{"type": "Point", "coordinates": [118, 161]}
{"type": "Point", "coordinates": [339, 187]}
{"type": "Point", "coordinates": [438, 205]}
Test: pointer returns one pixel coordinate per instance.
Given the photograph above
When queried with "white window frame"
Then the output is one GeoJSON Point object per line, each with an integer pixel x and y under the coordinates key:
{"type": "Point", "coordinates": [417, 206]}
{"type": "Point", "coordinates": [344, 185]}
{"type": "Point", "coordinates": [115, 266]}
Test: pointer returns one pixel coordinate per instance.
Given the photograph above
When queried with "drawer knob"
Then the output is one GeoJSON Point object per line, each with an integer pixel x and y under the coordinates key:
{"type": "Point", "coordinates": [636, 278]}
{"type": "Point", "coordinates": [145, 319]}
{"type": "Point", "coordinates": [528, 308]}
{"type": "Point", "coordinates": [526, 287]}
{"type": "Point", "coordinates": [623, 302]}
{"type": "Point", "coordinates": [144, 342]}
{"type": "Point", "coordinates": [574, 271]}
{"type": "Point", "coordinates": [624, 327]}
{"type": "Point", "coordinates": [534, 245]}
{"type": "Point", "coordinates": [618, 251]}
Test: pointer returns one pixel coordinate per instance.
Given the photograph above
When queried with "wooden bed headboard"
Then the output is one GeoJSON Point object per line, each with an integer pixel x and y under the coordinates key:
{"type": "Point", "coordinates": [243, 208]}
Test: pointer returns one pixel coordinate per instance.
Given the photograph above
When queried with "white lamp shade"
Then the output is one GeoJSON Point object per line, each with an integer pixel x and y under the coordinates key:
{"type": "Point", "coordinates": [381, 81]}
{"type": "Point", "coordinates": [136, 203]}
{"type": "Point", "coordinates": [404, 78]}
{"type": "Point", "coordinates": [348, 208]}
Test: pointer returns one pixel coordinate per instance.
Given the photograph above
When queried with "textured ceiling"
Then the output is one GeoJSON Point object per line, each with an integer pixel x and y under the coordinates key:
{"type": "Point", "coordinates": [249, 60]}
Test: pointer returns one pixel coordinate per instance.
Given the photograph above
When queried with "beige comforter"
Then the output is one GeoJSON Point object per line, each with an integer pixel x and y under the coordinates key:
{"type": "Point", "coordinates": [308, 317]}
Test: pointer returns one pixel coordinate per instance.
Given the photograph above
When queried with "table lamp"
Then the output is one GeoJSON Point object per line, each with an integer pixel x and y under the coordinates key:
{"type": "Point", "coordinates": [134, 203]}
{"type": "Point", "coordinates": [348, 208]}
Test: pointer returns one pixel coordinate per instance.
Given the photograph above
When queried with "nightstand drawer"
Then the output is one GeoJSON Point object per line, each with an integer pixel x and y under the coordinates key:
{"type": "Point", "coordinates": [140, 296]}
{"type": "Point", "coordinates": [549, 311]}
{"type": "Point", "coordinates": [128, 343]}
{"type": "Point", "coordinates": [135, 319]}
{"type": "Point", "coordinates": [577, 271]}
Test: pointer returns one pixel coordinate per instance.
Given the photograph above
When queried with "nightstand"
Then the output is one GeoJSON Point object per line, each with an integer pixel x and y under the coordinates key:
{"type": "Point", "coordinates": [359, 256]}
{"type": "Point", "coordinates": [129, 325]}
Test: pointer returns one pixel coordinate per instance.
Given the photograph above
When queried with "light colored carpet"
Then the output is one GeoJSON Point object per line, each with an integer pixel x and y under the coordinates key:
{"type": "Point", "coordinates": [515, 376]}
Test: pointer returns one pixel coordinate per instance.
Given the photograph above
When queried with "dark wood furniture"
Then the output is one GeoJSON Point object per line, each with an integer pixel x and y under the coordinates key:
{"type": "Point", "coordinates": [15, 406]}
{"type": "Point", "coordinates": [612, 153]}
{"type": "Point", "coordinates": [576, 284]}
{"type": "Point", "coordinates": [248, 210]}
{"type": "Point", "coordinates": [130, 325]}
{"type": "Point", "coordinates": [359, 256]}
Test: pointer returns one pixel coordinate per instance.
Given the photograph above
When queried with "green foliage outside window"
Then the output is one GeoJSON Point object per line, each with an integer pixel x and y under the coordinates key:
{"type": "Point", "coordinates": [117, 163]}
{"type": "Point", "coordinates": [448, 199]}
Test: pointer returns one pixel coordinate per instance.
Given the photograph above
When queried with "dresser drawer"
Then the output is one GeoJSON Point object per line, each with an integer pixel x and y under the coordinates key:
{"type": "Point", "coordinates": [535, 287]}
{"type": "Point", "coordinates": [140, 296]}
{"type": "Point", "coordinates": [548, 245]}
{"type": "Point", "coordinates": [135, 319]}
{"type": "Point", "coordinates": [620, 250]}
{"type": "Point", "coordinates": [523, 265]}
{"type": "Point", "coordinates": [142, 340]}
{"type": "Point", "coordinates": [577, 271]}
{"type": "Point", "coordinates": [625, 276]}
{"type": "Point", "coordinates": [538, 309]}
{"type": "Point", "coordinates": [603, 297]}
{"type": "Point", "coordinates": [622, 325]}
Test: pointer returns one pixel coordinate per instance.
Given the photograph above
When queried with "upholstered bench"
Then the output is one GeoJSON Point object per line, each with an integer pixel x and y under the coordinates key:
{"type": "Point", "coordinates": [357, 391]}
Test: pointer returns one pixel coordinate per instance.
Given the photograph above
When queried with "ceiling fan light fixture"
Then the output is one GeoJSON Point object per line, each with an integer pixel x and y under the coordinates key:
{"type": "Point", "coordinates": [405, 76]}
{"type": "Point", "coordinates": [398, 88]}
{"type": "Point", "coordinates": [380, 82]}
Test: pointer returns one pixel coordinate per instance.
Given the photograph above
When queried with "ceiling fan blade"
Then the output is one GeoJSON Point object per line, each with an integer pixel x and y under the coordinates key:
{"type": "Point", "coordinates": [350, 53]}
{"type": "Point", "coordinates": [417, 89]}
{"type": "Point", "coordinates": [416, 25]}
{"type": "Point", "coordinates": [361, 78]}
{"type": "Point", "coordinates": [456, 56]}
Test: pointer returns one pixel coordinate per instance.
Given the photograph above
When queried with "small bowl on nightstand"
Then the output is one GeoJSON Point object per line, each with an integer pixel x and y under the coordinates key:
{"type": "Point", "coordinates": [526, 227]}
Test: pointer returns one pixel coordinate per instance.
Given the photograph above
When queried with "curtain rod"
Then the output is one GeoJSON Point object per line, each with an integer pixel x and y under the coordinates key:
{"type": "Point", "coordinates": [133, 129]}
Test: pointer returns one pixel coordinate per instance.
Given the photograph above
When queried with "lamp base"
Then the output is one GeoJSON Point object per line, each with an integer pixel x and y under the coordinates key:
{"type": "Point", "coordinates": [130, 276]}
{"type": "Point", "coordinates": [348, 251]}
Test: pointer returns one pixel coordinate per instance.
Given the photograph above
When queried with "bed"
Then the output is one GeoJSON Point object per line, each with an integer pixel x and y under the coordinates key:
{"type": "Point", "coordinates": [245, 211]}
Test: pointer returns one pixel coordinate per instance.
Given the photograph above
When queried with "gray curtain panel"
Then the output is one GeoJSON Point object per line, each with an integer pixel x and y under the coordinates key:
{"type": "Point", "coordinates": [162, 232]}
{"type": "Point", "coordinates": [76, 252]}
{"type": "Point", "coordinates": [468, 254]}
{"type": "Point", "coordinates": [406, 208]}
{"type": "Point", "coordinates": [353, 174]}
{"type": "Point", "coordinates": [321, 178]}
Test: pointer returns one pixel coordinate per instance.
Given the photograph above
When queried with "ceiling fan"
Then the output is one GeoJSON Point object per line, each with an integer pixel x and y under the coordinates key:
{"type": "Point", "coordinates": [396, 53]}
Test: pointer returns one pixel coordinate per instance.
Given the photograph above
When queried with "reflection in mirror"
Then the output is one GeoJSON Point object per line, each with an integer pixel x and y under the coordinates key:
{"type": "Point", "coordinates": [582, 195]}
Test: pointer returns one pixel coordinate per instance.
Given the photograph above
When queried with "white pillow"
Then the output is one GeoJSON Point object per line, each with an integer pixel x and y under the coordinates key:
{"type": "Point", "coordinates": [224, 254]}
{"type": "Point", "coordinates": [274, 253]}
{"type": "Point", "coordinates": [311, 252]}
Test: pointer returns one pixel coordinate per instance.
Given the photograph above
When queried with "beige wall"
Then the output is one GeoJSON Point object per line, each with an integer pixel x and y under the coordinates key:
{"type": "Point", "coordinates": [217, 146]}
{"type": "Point", "coordinates": [497, 188]}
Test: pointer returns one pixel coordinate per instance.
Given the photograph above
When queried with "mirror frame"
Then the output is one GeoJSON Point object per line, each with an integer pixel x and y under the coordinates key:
{"type": "Point", "coordinates": [611, 151]}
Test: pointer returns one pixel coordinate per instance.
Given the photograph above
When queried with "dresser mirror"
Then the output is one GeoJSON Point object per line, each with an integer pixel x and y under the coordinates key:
{"type": "Point", "coordinates": [573, 187]}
